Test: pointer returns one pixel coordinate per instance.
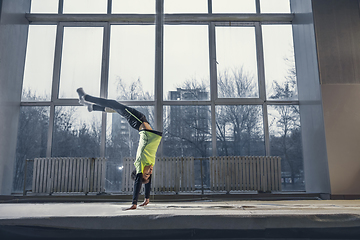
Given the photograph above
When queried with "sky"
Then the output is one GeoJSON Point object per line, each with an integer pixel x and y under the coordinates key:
{"type": "Point", "coordinates": [132, 48]}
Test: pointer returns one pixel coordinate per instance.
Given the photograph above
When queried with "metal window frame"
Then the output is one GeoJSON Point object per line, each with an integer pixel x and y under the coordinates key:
{"type": "Point", "coordinates": [159, 19]}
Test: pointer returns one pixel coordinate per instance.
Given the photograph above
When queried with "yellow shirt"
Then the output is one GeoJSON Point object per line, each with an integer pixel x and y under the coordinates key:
{"type": "Point", "coordinates": [146, 152]}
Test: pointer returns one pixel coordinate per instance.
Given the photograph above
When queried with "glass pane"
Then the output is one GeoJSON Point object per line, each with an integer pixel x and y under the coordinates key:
{"type": "Point", "coordinates": [236, 62]}
{"type": "Point", "coordinates": [133, 6]}
{"type": "Point", "coordinates": [186, 6]}
{"type": "Point", "coordinates": [132, 62]}
{"type": "Point", "coordinates": [85, 6]}
{"type": "Point", "coordinates": [44, 6]}
{"type": "Point", "coordinates": [121, 141]}
{"type": "Point", "coordinates": [233, 6]}
{"type": "Point", "coordinates": [275, 6]}
{"type": "Point", "coordinates": [81, 61]}
{"type": "Point", "coordinates": [186, 63]}
{"type": "Point", "coordinates": [280, 72]}
{"type": "Point", "coordinates": [187, 131]}
{"type": "Point", "coordinates": [239, 130]}
{"type": "Point", "coordinates": [76, 133]}
{"type": "Point", "coordinates": [39, 63]}
{"type": "Point", "coordinates": [285, 141]}
{"type": "Point", "coordinates": [31, 142]}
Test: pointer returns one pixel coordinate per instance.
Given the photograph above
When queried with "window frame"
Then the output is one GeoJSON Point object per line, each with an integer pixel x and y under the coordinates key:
{"type": "Point", "coordinates": [160, 19]}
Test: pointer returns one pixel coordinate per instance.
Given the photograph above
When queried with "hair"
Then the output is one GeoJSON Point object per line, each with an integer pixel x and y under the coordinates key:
{"type": "Point", "coordinates": [143, 180]}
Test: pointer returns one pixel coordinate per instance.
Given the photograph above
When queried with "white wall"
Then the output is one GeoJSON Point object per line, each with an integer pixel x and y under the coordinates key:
{"type": "Point", "coordinates": [342, 124]}
{"type": "Point", "coordinates": [13, 36]}
{"type": "Point", "coordinates": [337, 25]}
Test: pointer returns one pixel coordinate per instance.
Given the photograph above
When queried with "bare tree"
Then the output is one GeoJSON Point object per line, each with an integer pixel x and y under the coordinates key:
{"type": "Point", "coordinates": [286, 140]}
{"type": "Point", "coordinates": [236, 83]}
{"type": "Point", "coordinates": [134, 91]}
{"type": "Point", "coordinates": [187, 128]}
{"type": "Point", "coordinates": [239, 127]}
{"type": "Point", "coordinates": [31, 140]}
{"type": "Point", "coordinates": [71, 140]}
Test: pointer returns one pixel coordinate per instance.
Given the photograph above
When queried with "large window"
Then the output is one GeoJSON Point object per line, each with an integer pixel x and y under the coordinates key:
{"type": "Point", "coordinates": [132, 62]}
{"type": "Point", "coordinates": [187, 131]}
{"type": "Point", "coordinates": [186, 6]}
{"type": "Point", "coordinates": [236, 62]}
{"type": "Point", "coordinates": [81, 60]}
{"type": "Point", "coordinates": [239, 130]}
{"type": "Point", "coordinates": [217, 77]}
{"type": "Point", "coordinates": [31, 141]}
{"type": "Point", "coordinates": [285, 141]}
{"type": "Point", "coordinates": [85, 6]}
{"type": "Point", "coordinates": [186, 62]}
{"type": "Point", "coordinates": [133, 6]}
{"type": "Point", "coordinates": [39, 65]}
{"type": "Point", "coordinates": [44, 6]}
{"type": "Point", "coordinates": [234, 6]}
{"type": "Point", "coordinates": [280, 72]}
{"type": "Point", "coordinates": [76, 132]}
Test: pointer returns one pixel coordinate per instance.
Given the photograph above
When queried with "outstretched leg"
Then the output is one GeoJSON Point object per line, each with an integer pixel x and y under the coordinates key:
{"type": "Point", "coordinates": [134, 117]}
{"type": "Point", "coordinates": [94, 107]}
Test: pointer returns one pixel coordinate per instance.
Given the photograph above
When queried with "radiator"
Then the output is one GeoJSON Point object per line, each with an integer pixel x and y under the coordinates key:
{"type": "Point", "coordinates": [231, 173]}
{"type": "Point", "coordinates": [170, 174]}
{"type": "Point", "coordinates": [68, 174]}
{"type": "Point", "coordinates": [226, 173]}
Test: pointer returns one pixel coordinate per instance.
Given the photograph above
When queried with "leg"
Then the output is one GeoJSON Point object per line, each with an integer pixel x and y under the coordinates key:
{"type": "Point", "coordinates": [93, 107]}
{"type": "Point", "coordinates": [98, 108]}
{"type": "Point", "coordinates": [104, 102]}
{"type": "Point", "coordinates": [134, 117]}
{"type": "Point", "coordinates": [137, 188]}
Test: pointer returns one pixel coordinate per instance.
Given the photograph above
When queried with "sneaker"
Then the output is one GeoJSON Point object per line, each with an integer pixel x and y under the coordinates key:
{"type": "Point", "coordinates": [81, 92]}
{"type": "Point", "coordinates": [90, 107]}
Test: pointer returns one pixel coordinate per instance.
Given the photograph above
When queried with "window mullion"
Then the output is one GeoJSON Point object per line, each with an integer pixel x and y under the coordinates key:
{"type": "Point", "coordinates": [266, 129]}
{"type": "Point", "coordinates": [257, 6]}
{"type": "Point", "coordinates": [105, 62]}
{"type": "Point", "coordinates": [57, 62]}
{"type": "Point", "coordinates": [61, 7]}
{"type": "Point", "coordinates": [50, 130]}
{"type": "Point", "coordinates": [104, 84]}
{"type": "Point", "coordinates": [260, 61]}
{"type": "Point", "coordinates": [109, 7]}
{"type": "Point", "coordinates": [159, 49]}
{"type": "Point", "coordinates": [55, 84]}
{"type": "Point", "coordinates": [262, 86]}
{"type": "Point", "coordinates": [213, 84]}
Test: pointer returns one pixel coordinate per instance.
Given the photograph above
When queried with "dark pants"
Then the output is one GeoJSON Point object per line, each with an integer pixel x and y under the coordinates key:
{"type": "Point", "coordinates": [137, 188]}
{"type": "Point", "coordinates": [133, 116]}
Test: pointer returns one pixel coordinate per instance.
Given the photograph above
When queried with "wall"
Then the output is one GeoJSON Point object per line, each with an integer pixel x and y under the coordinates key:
{"type": "Point", "coordinates": [13, 36]}
{"type": "Point", "coordinates": [337, 25]}
{"type": "Point", "coordinates": [312, 122]}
